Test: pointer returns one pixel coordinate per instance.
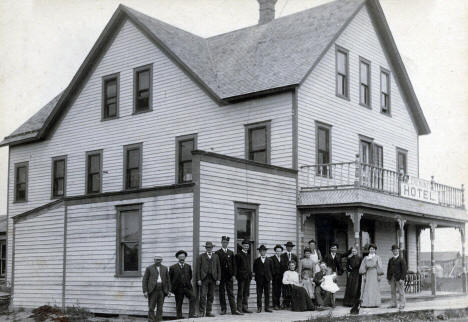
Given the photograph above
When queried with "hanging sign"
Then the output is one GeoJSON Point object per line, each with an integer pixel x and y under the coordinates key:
{"type": "Point", "coordinates": [418, 189]}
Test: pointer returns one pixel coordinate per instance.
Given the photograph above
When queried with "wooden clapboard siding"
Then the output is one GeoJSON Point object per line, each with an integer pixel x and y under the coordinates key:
{"type": "Point", "coordinates": [221, 185]}
{"type": "Point", "coordinates": [39, 260]}
{"type": "Point", "coordinates": [179, 107]}
{"type": "Point", "coordinates": [412, 248]}
{"type": "Point", "coordinates": [317, 102]}
{"type": "Point", "coordinates": [385, 237]}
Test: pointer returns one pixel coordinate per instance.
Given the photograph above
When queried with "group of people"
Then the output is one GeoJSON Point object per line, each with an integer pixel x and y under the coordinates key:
{"type": "Point", "coordinates": [303, 284]}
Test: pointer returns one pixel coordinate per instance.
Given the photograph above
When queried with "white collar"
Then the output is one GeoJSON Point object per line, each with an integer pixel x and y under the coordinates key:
{"type": "Point", "coordinates": [396, 256]}
{"type": "Point", "coordinates": [225, 250]}
{"type": "Point", "coordinates": [244, 251]}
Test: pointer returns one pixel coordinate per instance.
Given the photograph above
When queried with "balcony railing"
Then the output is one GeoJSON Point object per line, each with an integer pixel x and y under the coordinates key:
{"type": "Point", "coordinates": [356, 174]}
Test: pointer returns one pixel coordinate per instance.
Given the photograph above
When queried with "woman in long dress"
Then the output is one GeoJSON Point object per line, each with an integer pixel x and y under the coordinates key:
{"type": "Point", "coordinates": [300, 300]}
{"type": "Point", "coordinates": [307, 264]}
{"type": "Point", "coordinates": [315, 255]}
{"type": "Point", "coordinates": [371, 270]}
{"type": "Point", "coordinates": [353, 282]}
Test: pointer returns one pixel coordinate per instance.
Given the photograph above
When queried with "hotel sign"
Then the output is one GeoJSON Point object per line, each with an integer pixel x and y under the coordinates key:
{"type": "Point", "coordinates": [418, 189]}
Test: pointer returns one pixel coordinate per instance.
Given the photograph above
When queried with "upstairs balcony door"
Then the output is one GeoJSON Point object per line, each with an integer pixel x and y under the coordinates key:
{"type": "Point", "coordinates": [371, 157]}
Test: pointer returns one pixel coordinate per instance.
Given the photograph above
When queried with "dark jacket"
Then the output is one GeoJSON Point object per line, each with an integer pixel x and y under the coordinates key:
{"type": "Point", "coordinates": [334, 263]}
{"type": "Point", "coordinates": [285, 261]}
{"type": "Point", "coordinates": [227, 262]}
{"type": "Point", "coordinates": [203, 267]}
{"type": "Point", "coordinates": [318, 277]}
{"type": "Point", "coordinates": [263, 271]}
{"type": "Point", "coordinates": [151, 277]}
{"type": "Point", "coordinates": [180, 279]}
{"type": "Point", "coordinates": [276, 268]}
{"type": "Point", "coordinates": [244, 271]}
{"type": "Point", "coordinates": [396, 268]}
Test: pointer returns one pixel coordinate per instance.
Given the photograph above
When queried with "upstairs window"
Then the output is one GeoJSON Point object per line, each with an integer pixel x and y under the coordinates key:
{"type": "Point", "coordinates": [323, 144]}
{"type": "Point", "coordinates": [58, 177]}
{"type": "Point", "coordinates": [93, 172]}
{"type": "Point", "coordinates": [385, 91]}
{"type": "Point", "coordinates": [258, 142]}
{"type": "Point", "coordinates": [143, 89]}
{"type": "Point", "coordinates": [184, 146]}
{"type": "Point", "coordinates": [132, 166]}
{"type": "Point", "coordinates": [110, 97]}
{"type": "Point", "coordinates": [21, 182]}
{"type": "Point", "coordinates": [402, 165]}
{"type": "Point", "coordinates": [364, 82]}
{"type": "Point", "coordinates": [342, 79]}
{"type": "Point", "coordinates": [128, 259]}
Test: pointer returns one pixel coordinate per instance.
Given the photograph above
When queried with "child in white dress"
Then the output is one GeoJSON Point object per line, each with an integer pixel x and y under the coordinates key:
{"type": "Point", "coordinates": [328, 283]}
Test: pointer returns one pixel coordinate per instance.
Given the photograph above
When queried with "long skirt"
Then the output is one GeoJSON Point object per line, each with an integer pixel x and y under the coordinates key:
{"type": "Point", "coordinates": [300, 300]}
{"type": "Point", "coordinates": [370, 289]}
{"type": "Point", "coordinates": [353, 289]}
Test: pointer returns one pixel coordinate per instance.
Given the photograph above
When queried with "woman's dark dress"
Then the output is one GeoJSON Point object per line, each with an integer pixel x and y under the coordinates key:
{"type": "Point", "coordinates": [353, 283]}
{"type": "Point", "coordinates": [300, 300]}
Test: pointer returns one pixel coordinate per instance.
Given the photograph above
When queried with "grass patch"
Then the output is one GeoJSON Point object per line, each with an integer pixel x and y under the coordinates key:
{"type": "Point", "coordinates": [56, 314]}
{"type": "Point", "coordinates": [388, 317]}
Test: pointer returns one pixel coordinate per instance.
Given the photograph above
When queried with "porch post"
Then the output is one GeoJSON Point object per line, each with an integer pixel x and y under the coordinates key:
{"type": "Point", "coordinates": [462, 234]}
{"type": "Point", "coordinates": [418, 248]}
{"type": "Point", "coordinates": [433, 276]}
{"type": "Point", "coordinates": [356, 219]}
{"type": "Point", "coordinates": [401, 224]}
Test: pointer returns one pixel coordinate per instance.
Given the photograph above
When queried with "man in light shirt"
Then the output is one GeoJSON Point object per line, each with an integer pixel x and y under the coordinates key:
{"type": "Point", "coordinates": [156, 286]}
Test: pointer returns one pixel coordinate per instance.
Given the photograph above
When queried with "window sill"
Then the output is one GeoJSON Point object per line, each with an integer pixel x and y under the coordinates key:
{"type": "Point", "coordinates": [109, 118]}
{"type": "Point", "coordinates": [137, 275]}
{"type": "Point", "coordinates": [131, 189]}
{"type": "Point", "coordinates": [366, 106]}
{"type": "Point", "coordinates": [386, 113]}
{"type": "Point", "coordinates": [343, 97]}
{"type": "Point", "coordinates": [92, 193]}
{"type": "Point", "coordinates": [142, 112]}
{"type": "Point", "coordinates": [20, 201]}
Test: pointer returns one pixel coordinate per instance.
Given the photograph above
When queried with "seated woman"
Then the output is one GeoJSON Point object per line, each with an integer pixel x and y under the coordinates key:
{"type": "Point", "coordinates": [300, 299]}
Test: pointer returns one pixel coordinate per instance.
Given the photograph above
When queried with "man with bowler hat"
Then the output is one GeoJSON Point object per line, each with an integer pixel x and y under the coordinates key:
{"type": "Point", "coordinates": [396, 274]}
{"type": "Point", "coordinates": [228, 271]}
{"type": "Point", "coordinates": [277, 276]}
{"type": "Point", "coordinates": [156, 286]}
{"type": "Point", "coordinates": [333, 259]}
{"type": "Point", "coordinates": [208, 274]}
{"type": "Point", "coordinates": [262, 268]}
{"type": "Point", "coordinates": [286, 257]}
{"type": "Point", "coordinates": [244, 276]}
{"type": "Point", "coordinates": [181, 282]}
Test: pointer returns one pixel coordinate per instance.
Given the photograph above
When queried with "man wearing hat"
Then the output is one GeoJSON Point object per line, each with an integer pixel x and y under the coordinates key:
{"type": "Point", "coordinates": [396, 273]}
{"type": "Point", "coordinates": [262, 268]}
{"type": "Point", "coordinates": [208, 274]}
{"type": "Point", "coordinates": [277, 276]}
{"type": "Point", "coordinates": [156, 285]}
{"type": "Point", "coordinates": [181, 282]}
{"type": "Point", "coordinates": [286, 257]}
{"type": "Point", "coordinates": [228, 271]}
{"type": "Point", "coordinates": [244, 276]}
{"type": "Point", "coordinates": [333, 259]}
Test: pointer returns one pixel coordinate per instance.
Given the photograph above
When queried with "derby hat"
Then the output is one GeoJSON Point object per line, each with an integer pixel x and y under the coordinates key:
{"type": "Point", "coordinates": [209, 244]}
{"type": "Point", "coordinates": [245, 241]}
{"type": "Point", "coordinates": [262, 247]}
{"type": "Point", "coordinates": [289, 244]}
{"type": "Point", "coordinates": [181, 252]}
{"type": "Point", "coordinates": [395, 247]}
{"type": "Point", "coordinates": [278, 246]}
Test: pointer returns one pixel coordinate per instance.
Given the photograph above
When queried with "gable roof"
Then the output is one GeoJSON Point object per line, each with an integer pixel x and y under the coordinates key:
{"type": "Point", "coordinates": [244, 63]}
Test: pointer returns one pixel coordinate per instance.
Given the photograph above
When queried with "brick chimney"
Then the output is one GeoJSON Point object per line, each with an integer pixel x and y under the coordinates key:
{"type": "Point", "coordinates": [267, 11]}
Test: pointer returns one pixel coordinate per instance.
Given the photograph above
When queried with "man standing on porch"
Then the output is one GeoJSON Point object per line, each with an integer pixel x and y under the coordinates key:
{"type": "Point", "coordinates": [244, 276]}
{"type": "Point", "coordinates": [333, 260]}
{"type": "Point", "coordinates": [262, 269]}
{"type": "Point", "coordinates": [208, 274]}
{"type": "Point", "coordinates": [396, 273]}
{"type": "Point", "coordinates": [181, 283]}
{"type": "Point", "coordinates": [156, 286]}
{"type": "Point", "coordinates": [277, 276]}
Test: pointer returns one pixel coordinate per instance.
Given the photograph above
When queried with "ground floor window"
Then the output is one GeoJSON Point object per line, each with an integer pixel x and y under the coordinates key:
{"type": "Point", "coordinates": [3, 253]}
{"type": "Point", "coordinates": [128, 240]}
{"type": "Point", "coordinates": [246, 219]}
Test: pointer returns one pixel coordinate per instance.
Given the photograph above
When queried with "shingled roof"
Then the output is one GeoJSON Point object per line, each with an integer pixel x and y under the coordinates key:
{"type": "Point", "coordinates": [236, 65]}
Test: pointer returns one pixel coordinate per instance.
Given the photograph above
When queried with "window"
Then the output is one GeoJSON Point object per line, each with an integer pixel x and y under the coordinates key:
{"type": "Point", "coordinates": [371, 157]}
{"type": "Point", "coordinates": [185, 144]}
{"type": "Point", "coordinates": [143, 89]}
{"type": "Point", "coordinates": [367, 234]}
{"type": "Point", "coordinates": [3, 254]}
{"type": "Point", "coordinates": [246, 224]}
{"type": "Point", "coordinates": [385, 91]}
{"type": "Point", "coordinates": [257, 142]}
{"type": "Point", "coordinates": [58, 176]}
{"type": "Point", "coordinates": [342, 73]}
{"type": "Point", "coordinates": [93, 171]}
{"type": "Point", "coordinates": [128, 259]}
{"type": "Point", "coordinates": [21, 182]}
{"type": "Point", "coordinates": [366, 151]}
{"type": "Point", "coordinates": [323, 149]}
{"type": "Point", "coordinates": [110, 97]}
{"type": "Point", "coordinates": [402, 166]}
{"type": "Point", "coordinates": [132, 166]}
{"type": "Point", "coordinates": [364, 82]}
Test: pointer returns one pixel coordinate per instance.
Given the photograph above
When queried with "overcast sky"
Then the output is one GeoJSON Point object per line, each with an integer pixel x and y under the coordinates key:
{"type": "Point", "coordinates": [43, 43]}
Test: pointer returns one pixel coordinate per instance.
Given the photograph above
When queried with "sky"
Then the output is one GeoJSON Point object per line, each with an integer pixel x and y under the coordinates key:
{"type": "Point", "coordinates": [43, 43]}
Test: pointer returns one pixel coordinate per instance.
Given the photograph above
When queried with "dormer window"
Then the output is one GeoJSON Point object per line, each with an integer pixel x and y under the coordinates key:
{"type": "Point", "coordinates": [143, 89]}
{"type": "Point", "coordinates": [385, 91]}
{"type": "Point", "coordinates": [342, 72]}
{"type": "Point", "coordinates": [110, 97]}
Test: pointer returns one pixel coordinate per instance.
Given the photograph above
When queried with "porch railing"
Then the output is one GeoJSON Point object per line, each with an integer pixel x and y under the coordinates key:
{"type": "Point", "coordinates": [356, 174]}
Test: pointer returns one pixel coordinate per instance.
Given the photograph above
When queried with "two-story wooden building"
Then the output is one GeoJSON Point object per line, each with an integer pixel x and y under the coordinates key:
{"type": "Point", "coordinates": [300, 127]}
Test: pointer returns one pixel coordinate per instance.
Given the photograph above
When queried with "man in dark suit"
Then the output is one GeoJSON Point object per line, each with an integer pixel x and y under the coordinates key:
{"type": "Point", "coordinates": [181, 282]}
{"type": "Point", "coordinates": [396, 274]}
{"type": "Point", "coordinates": [277, 276]}
{"type": "Point", "coordinates": [262, 268]}
{"type": "Point", "coordinates": [156, 285]}
{"type": "Point", "coordinates": [244, 276]}
{"type": "Point", "coordinates": [333, 259]}
{"type": "Point", "coordinates": [208, 274]}
{"type": "Point", "coordinates": [286, 257]}
{"type": "Point", "coordinates": [228, 271]}
{"type": "Point", "coordinates": [322, 297]}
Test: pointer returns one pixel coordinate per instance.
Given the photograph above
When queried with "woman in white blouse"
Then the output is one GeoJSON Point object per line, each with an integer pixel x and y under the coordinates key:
{"type": "Point", "coordinates": [300, 300]}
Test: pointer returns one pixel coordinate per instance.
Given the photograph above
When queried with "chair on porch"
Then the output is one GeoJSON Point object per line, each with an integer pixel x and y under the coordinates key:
{"type": "Point", "coordinates": [412, 282]}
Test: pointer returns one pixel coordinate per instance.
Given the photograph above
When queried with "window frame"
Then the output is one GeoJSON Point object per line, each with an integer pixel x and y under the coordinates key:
{"type": "Point", "coordinates": [126, 148]}
{"type": "Point", "coordinates": [367, 62]}
{"type": "Point", "coordinates": [385, 71]}
{"type": "Point", "coordinates": [339, 49]}
{"type": "Point", "coordinates": [20, 165]}
{"type": "Point", "coordinates": [137, 70]}
{"type": "Point", "coordinates": [88, 154]}
{"type": "Point", "coordinates": [118, 258]}
{"type": "Point", "coordinates": [320, 125]}
{"type": "Point", "coordinates": [178, 140]}
{"type": "Point", "coordinates": [370, 141]}
{"type": "Point", "coordinates": [3, 258]}
{"type": "Point", "coordinates": [105, 79]}
{"type": "Point", "coordinates": [257, 125]}
{"type": "Point", "coordinates": [405, 153]}
{"type": "Point", "coordinates": [255, 222]}
{"type": "Point", "coordinates": [52, 187]}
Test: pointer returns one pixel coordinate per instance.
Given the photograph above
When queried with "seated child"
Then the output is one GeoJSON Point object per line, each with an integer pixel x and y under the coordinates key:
{"type": "Point", "coordinates": [308, 284]}
{"type": "Point", "coordinates": [328, 283]}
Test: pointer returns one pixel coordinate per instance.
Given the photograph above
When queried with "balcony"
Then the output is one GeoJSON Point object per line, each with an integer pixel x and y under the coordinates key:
{"type": "Point", "coordinates": [355, 182]}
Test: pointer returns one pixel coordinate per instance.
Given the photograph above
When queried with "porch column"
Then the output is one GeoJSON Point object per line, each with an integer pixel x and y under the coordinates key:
{"type": "Point", "coordinates": [356, 219]}
{"type": "Point", "coordinates": [462, 235]}
{"type": "Point", "coordinates": [433, 276]}
{"type": "Point", "coordinates": [401, 225]}
{"type": "Point", "coordinates": [418, 248]}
